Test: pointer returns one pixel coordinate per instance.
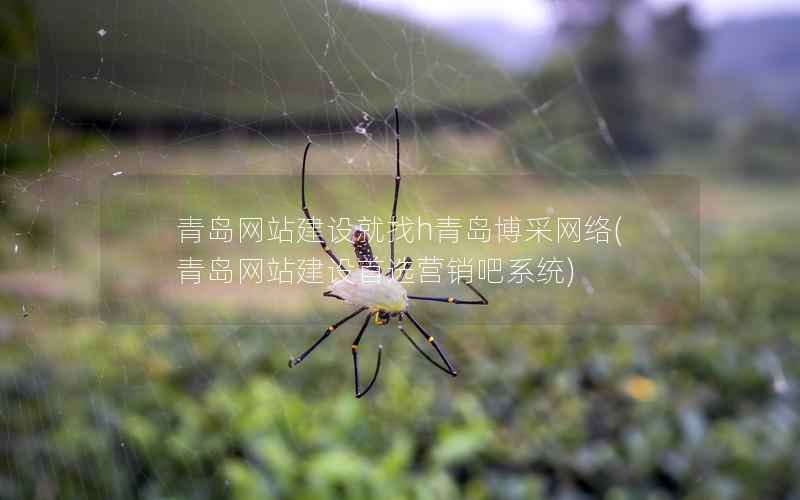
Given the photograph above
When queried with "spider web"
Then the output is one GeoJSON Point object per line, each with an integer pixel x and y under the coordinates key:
{"type": "Point", "coordinates": [192, 89]}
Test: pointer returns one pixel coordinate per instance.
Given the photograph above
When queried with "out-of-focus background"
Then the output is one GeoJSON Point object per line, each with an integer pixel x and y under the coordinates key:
{"type": "Point", "coordinates": [701, 403]}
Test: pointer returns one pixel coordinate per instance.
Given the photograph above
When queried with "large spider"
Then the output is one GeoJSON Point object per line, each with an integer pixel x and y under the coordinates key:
{"type": "Point", "coordinates": [371, 290]}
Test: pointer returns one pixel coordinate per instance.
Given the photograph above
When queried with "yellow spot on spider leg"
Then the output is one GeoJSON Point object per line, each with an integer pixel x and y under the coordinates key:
{"type": "Point", "coordinates": [450, 300]}
{"type": "Point", "coordinates": [354, 347]}
{"type": "Point", "coordinates": [430, 339]}
{"type": "Point", "coordinates": [332, 328]}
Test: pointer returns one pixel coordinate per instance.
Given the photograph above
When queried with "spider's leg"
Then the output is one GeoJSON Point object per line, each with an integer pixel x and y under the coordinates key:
{"type": "Point", "coordinates": [406, 265]}
{"type": "Point", "coordinates": [296, 360]}
{"type": "Point", "coordinates": [406, 268]}
{"type": "Point", "coordinates": [355, 360]}
{"type": "Point", "coordinates": [452, 300]}
{"type": "Point", "coordinates": [331, 294]}
{"type": "Point", "coordinates": [447, 368]}
{"type": "Point", "coordinates": [393, 222]}
{"type": "Point", "coordinates": [306, 212]}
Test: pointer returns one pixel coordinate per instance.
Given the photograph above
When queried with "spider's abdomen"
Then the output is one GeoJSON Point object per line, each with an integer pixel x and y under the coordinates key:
{"type": "Point", "coordinates": [364, 255]}
{"type": "Point", "coordinates": [371, 289]}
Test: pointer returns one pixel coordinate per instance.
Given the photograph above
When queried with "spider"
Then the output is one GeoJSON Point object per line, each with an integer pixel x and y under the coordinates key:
{"type": "Point", "coordinates": [383, 296]}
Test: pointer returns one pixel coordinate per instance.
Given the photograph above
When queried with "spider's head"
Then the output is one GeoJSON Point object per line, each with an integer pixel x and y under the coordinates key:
{"type": "Point", "coordinates": [382, 317]}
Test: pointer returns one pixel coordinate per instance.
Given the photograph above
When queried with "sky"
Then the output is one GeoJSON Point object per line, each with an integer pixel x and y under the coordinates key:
{"type": "Point", "coordinates": [535, 15]}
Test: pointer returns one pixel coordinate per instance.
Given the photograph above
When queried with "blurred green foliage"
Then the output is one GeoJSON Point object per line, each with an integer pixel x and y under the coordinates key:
{"type": "Point", "coordinates": [704, 408]}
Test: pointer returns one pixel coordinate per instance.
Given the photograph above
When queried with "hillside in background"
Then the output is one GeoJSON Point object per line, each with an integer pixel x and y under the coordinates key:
{"type": "Point", "coordinates": [250, 60]}
{"type": "Point", "coordinates": [746, 64]}
{"type": "Point", "coordinates": [253, 62]}
{"type": "Point", "coordinates": [754, 63]}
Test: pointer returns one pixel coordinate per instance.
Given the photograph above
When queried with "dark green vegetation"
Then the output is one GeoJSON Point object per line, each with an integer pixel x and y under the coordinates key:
{"type": "Point", "coordinates": [245, 62]}
{"type": "Point", "coordinates": [74, 74]}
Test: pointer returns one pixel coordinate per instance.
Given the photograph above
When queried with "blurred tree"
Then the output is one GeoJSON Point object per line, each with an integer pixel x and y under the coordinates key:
{"type": "Point", "coordinates": [31, 140]}
{"type": "Point", "coordinates": [20, 119]}
{"type": "Point", "coordinates": [678, 43]}
{"type": "Point", "coordinates": [564, 133]}
{"type": "Point", "coordinates": [611, 75]}
{"type": "Point", "coordinates": [17, 37]}
{"type": "Point", "coordinates": [668, 69]}
{"type": "Point", "coordinates": [609, 71]}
